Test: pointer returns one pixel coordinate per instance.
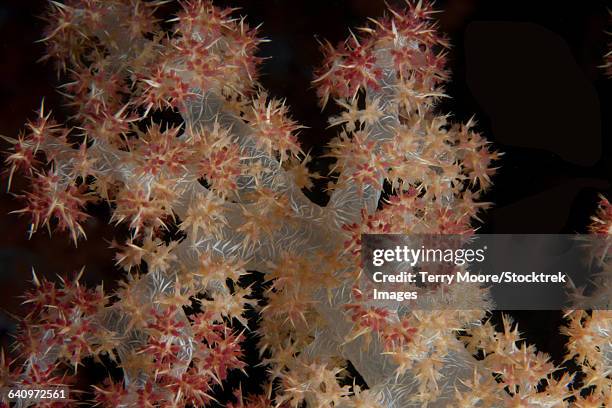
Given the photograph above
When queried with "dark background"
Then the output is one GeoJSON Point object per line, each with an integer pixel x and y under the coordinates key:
{"type": "Point", "coordinates": [527, 70]}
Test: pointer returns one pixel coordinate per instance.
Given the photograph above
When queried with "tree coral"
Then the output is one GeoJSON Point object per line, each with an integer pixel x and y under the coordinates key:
{"type": "Point", "coordinates": [230, 177]}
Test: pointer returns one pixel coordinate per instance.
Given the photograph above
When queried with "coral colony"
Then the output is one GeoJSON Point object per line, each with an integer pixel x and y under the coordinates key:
{"type": "Point", "coordinates": [231, 178]}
